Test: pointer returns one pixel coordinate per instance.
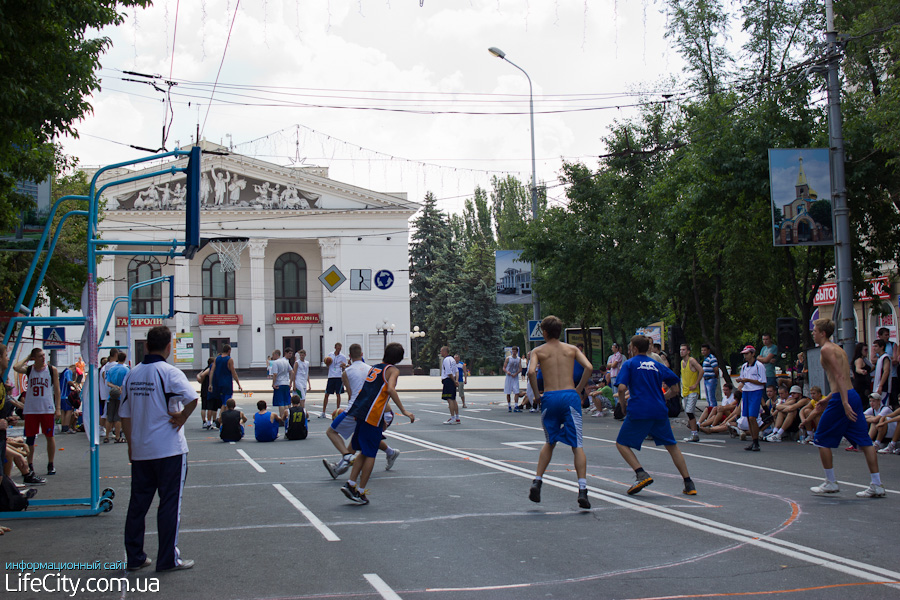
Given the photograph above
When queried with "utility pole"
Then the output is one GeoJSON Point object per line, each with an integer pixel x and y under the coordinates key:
{"type": "Point", "coordinates": [843, 258]}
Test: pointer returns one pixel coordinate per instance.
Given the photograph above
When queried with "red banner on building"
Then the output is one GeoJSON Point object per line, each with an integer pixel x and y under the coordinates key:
{"type": "Point", "coordinates": [827, 292]}
{"type": "Point", "coordinates": [123, 322]}
{"type": "Point", "coordinates": [221, 319]}
{"type": "Point", "coordinates": [296, 318]}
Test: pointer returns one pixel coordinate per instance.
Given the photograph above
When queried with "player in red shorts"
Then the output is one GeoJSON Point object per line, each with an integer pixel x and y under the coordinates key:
{"type": "Point", "coordinates": [41, 404]}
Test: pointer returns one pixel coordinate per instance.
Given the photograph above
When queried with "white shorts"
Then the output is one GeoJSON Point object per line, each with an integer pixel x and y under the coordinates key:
{"type": "Point", "coordinates": [511, 385]}
{"type": "Point", "coordinates": [300, 389]}
{"type": "Point", "coordinates": [744, 425]}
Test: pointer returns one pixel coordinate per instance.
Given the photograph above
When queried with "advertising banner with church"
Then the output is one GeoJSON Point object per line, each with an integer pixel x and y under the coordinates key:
{"type": "Point", "coordinates": [800, 185]}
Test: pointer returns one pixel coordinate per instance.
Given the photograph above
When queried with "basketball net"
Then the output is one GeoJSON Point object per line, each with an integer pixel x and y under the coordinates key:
{"type": "Point", "coordinates": [229, 254]}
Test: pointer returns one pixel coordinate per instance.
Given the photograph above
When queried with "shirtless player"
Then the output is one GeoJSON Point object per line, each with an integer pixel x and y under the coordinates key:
{"type": "Point", "coordinates": [560, 403]}
{"type": "Point", "coordinates": [841, 416]}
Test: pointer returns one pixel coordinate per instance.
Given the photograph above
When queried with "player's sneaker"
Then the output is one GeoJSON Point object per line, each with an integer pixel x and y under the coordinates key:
{"type": "Point", "coordinates": [873, 491]}
{"type": "Point", "coordinates": [689, 488]}
{"type": "Point", "coordinates": [33, 479]}
{"type": "Point", "coordinates": [332, 469]}
{"type": "Point", "coordinates": [362, 498]}
{"type": "Point", "coordinates": [753, 447]}
{"type": "Point", "coordinates": [509, 408]}
{"type": "Point", "coordinates": [827, 487]}
{"type": "Point", "coordinates": [695, 437]}
{"type": "Point", "coordinates": [457, 422]}
{"type": "Point", "coordinates": [889, 449]}
{"type": "Point", "coordinates": [640, 482]}
{"type": "Point", "coordinates": [391, 459]}
{"type": "Point", "coordinates": [534, 494]}
{"type": "Point", "coordinates": [583, 501]}
{"type": "Point", "coordinates": [51, 470]}
{"type": "Point", "coordinates": [342, 467]}
{"type": "Point", "coordinates": [449, 421]}
{"type": "Point", "coordinates": [351, 492]}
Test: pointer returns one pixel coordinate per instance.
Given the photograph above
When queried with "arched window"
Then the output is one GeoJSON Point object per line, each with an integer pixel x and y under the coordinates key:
{"type": "Point", "coordinates": [290, 283]}
{"type": "Point", "coordinates": [145, 300]}
{"type": "Point", "coordinates": [218, 288]}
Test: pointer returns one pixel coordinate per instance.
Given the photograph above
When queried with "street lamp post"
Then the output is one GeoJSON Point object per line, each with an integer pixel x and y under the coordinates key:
{"type": "Point", "coordinates": [385, 329]}
{"type": "Point", "coordinates": [534, 201]}
{"type": "Point", "coordinates": [415, 335]}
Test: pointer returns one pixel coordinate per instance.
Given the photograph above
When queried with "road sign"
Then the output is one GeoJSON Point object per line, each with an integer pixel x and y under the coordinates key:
{"type": "Point", "coordinates": [361, 279]}
{"type": "Point", "coordinates": [384, 279]}
{"type": "Point", "coordinates": [534, 332]}
{"type": "Point", "coordinates": [332, 278]}
{"type": "Point", "coordinates": [54, 338]}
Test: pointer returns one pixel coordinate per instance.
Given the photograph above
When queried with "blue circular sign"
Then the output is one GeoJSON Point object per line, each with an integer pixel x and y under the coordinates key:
{"type": "Point", "coordinates": [384, 279]}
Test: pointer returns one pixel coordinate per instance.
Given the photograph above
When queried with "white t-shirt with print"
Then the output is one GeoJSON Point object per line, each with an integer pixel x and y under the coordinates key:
{"type": "Point", "coordinates": [334, 369]}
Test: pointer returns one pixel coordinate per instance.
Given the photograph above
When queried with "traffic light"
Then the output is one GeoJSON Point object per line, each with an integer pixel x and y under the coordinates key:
{"type": "Point", "coordinates": [788, 334]}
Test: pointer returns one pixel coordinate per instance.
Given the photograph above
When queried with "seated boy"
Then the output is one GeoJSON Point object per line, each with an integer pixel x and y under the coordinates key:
{"type": "Point", "coordinates": [232, 423]}
{"type": "Point", "coordinates": [786, 413]}
{"type": "Point", "coordinates": [809, 419]}
{"type": "Point", "coordinates": [296, 426]}
{"type": "Point", "coordinates": [266, 423]}
{"type": "Point", "coordinates": [718, 414]}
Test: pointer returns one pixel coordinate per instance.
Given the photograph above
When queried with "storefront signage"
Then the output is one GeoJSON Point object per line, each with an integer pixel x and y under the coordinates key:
{"type": "Point", "coordinates": [123, 322]}
{"type": "Point", "coordinates": [221, 319]}
{"type": "Point", "coordinates": [296, 318]}
{"type": "Point", "coordinates": [827, 292]}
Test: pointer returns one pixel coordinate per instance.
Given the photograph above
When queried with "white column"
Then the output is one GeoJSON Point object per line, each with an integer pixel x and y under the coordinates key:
{"type": "Point", "coordinates": [106, 293]}
{"type": "Point", "coordinates": [331, 321]}
{"type": "Point", "coordinates": [183, 321]}
{"type": "Point", "coordinates": [258, 302]}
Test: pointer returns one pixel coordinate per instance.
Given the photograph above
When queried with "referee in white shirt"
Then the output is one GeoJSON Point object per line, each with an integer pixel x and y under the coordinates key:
{"type": "Point", "coordinates": [156, 402]}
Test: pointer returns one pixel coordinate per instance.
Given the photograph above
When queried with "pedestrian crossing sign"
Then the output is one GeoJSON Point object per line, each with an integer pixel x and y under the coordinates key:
{"type": "Point", "coordinates": [534, 332]}
{"type": "Point", "coordinates": [54, 338]}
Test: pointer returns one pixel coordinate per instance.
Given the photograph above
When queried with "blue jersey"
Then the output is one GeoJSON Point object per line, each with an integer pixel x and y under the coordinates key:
{"type": "Point", "coordinates": [372, 400]}
{"type": "Point", "coordinates": [222, 377]}
{"type": "Point", "coordinates": [644, 378]}
{"type": "Point", "coordinates": [266, 428]}
{"type": "Point", "coordinates": [116, 374]}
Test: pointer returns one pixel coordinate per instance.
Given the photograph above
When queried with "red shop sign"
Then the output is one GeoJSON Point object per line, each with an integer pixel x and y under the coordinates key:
{"type": "Point", "coordinates": [123, 322]}
{"type": "Point", "coordinates": [827, 292]}
{"type": "Point", "coordinates": [296, 318]}
{"type": "Point", "coordinates": [221, 319]}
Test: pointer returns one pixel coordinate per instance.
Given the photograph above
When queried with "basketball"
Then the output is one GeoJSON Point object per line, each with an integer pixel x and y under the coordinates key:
{"type": "Point", "coordinates": [328, 361]}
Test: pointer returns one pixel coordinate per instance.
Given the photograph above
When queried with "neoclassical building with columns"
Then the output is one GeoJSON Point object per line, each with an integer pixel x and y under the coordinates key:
{"type": "Point", "coordinates": [302, 228]}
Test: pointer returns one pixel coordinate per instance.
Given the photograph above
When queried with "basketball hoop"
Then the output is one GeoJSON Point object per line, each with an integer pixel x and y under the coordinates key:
{"type": "Point", "coordinates": [229, 251]}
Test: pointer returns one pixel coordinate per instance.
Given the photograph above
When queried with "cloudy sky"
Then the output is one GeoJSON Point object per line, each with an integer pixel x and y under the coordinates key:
{"type": "Point", "coordinates": [389, 95]}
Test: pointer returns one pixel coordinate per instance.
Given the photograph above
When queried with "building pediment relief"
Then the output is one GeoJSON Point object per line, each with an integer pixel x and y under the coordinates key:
{"type": "Point", "coordinates": [221, 189]}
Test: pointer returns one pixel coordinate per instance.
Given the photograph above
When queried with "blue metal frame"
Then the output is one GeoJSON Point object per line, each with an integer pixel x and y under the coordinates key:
{"type": "Point", "coordinates": [97, 502]}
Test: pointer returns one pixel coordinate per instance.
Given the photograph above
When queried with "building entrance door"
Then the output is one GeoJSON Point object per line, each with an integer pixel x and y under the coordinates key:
{"type": "Point", "coordinates": [295, 343]}
{"type": "Point", "coordinates": [216, 345]}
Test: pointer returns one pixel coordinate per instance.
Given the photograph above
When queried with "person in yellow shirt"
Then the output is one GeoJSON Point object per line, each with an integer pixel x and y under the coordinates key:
{"type": "Point", "coordinates": [690, 388]}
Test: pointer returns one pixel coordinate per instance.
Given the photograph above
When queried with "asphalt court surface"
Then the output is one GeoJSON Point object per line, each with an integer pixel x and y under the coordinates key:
{"type": "Point", "coordinates": [452, 518]}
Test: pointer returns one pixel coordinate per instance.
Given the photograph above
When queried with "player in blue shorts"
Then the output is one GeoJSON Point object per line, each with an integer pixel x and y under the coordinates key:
{"type": "Point", "coordinates": [840, 419]}
{"type": "Point", "coordinates": [560, 404]}
{"type": "Point", "coordinates": [646, 412]}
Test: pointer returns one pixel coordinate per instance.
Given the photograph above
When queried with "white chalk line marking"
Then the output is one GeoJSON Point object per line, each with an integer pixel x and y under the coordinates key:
{"type": "Point", "coordinates": [381, 587]}
{"type": "Point", "coordinates": [779, 546]}
{"type": "Point", "coordinates": [326, 532]}
{"type": "Point", "coordinates": [252, 462]}
{"type": "Point", "coordinates": [700, 456]}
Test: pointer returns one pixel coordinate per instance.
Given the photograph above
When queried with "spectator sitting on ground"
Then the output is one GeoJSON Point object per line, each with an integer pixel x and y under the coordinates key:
{"type": "Point", "coordinates": [886, 427]}
{"type": "Point", "coordinates": [718, 414]}
{"type": "Point", "coordinates": [266, 423]}
{"type": "Point", "coordinates": [729, 424]}
{"type": "Point", "coordinates": [809, 420]}
{"type": "Point", "coordinates": [604, 401]}
{"type": "Point", "coordinates": [786, 412]}
{"type": "Point", "coordinates": [232, 422]}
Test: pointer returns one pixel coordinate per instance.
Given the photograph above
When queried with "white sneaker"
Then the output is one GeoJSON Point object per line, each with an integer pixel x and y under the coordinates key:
{"type": "Point", "coordinates": [692, 438]}
{"type": "Point", "coordinates": [873, 491]}
{"type": "Point", "coordinates": [827, 487]}
{"type": "Point", "coordinates": [449, 421]}
{"type": "Point", "coordinates": [878, 445]}
{"type": "Point", "coordinates": [889, 449]}
{"type": "Point", "coordinates": [774, 438]}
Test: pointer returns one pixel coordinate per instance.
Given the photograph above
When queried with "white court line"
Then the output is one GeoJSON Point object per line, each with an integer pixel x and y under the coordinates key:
{"type": "Point", "coordinates": [316, 522]}
{"type": "Point", "coordinates": [700, 456]}
{"type": "Point", "coordinates": [255, 464]}
{"type": "Point", "coordinates": [777, 545]}
{"type": "Point", "coordinates": [381, 587]}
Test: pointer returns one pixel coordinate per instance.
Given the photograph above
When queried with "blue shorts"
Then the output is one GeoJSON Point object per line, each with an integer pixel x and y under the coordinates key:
{"type": "Point", "coordinates": [561, 417]}
{"type": "Point", "coordinates": [834, 424]}
{"type": "Point", "coordinates": [64, 405]}
{"type": "Point", "coordinates": [344, 425]}
{"type": "Point", "coordinates": [635, 431]}
{"type": "Point", "coordinates": [281, 396]}
{"type": "Point", "coordinates": [366, 439]}
{"type": "Point", "coordinates": [751, 402]}
{"type": "Point", "coordinates": [221, 394]}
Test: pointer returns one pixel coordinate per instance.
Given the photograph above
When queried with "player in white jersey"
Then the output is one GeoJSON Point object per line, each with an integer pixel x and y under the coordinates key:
{"type": "Point", "coordinates": [157, 400]}
{"type": "Point", "coordinates": [449, 383]}
{"type": "Point", "coordinates": [281, 383]}
{"type": "Point", "coordinates": [41, 404]}
{"type": "Point", "coordinates": [512, 366]}
{"type": "Point", "coordinates": [300, 377]}
{"type": "Point", "coordinates": [335, 361]}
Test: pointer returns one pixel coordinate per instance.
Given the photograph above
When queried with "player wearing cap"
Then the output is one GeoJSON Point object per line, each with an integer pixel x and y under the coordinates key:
{"type": "Point", "coordinates": [841, 416]}
{"type": "Point", "coordinates": [157, 400]}
{"type": "Point", "coordinates": [752, 383]}
{"type": "Point", "coordinates": [786, 412]}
